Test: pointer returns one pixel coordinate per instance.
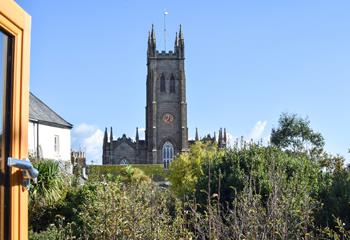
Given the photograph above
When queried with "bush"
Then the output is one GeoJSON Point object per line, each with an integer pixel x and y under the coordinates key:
{"type": "Point", "coordinates": [248, 192]}
{"type": "Point", "coordinates": [154, 171]}
{"type": "Point", "coordinates": [226, 173]}
{"type": "Point", "coordinates": [187, 168]}
{"type": "Point", "coordinates": [48, 193]}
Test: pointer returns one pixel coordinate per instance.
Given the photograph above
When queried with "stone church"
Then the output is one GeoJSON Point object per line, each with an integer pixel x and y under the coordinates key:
{"type": "Point", "coordinates": [166, 112]}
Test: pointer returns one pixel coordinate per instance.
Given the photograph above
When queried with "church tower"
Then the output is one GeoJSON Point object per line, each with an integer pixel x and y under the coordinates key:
{"type": "Point", "coordinates": [166, 106]}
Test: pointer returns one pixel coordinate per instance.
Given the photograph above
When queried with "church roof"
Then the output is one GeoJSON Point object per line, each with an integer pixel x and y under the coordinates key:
{"type": "Point", "coordinates": [40, 112]}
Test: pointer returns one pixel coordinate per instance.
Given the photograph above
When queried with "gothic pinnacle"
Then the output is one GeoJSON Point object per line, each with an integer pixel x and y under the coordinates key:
{"type": "Point", "coordinates": [196, 137]}
{"type": "Point", "coordinates": [225, 136]}
{"type": "Point", "coordinates": [153, 35]}
{"type": "Point", "coordinates": [180, 33]}
{"type": "Point", "coordinates": [111, 135]}
{"type": "Point", "coordinates": [105, 137]}
{"type": "Point", "coordinates": [137, 134]}
{"type": "Point", "coordinates": [220, 138]}
{"type": "Point", "coordinates": [176, 40]}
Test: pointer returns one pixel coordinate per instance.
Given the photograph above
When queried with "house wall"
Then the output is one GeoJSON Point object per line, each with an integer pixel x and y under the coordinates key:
{"type": "Point", "coordinates": [46, 141]}
{"type": "Point", "coordinates": [32, 138]}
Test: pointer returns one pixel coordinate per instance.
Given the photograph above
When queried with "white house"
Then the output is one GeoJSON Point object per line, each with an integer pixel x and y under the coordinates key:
{"type": "Point", "coordinates": [49, 135]}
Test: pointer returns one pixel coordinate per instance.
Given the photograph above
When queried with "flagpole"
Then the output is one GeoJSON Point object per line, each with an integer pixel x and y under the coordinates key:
{"type": "Point", "coordinates": [165, 13]}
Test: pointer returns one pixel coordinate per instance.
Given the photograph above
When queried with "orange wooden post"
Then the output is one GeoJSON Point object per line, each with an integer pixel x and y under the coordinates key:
{"type": "Point", "coordinates": [16, 23]}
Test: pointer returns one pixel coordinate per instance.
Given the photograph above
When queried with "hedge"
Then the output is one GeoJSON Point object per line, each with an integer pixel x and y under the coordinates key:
{"type": "Point", "coordinates": [155, 171]}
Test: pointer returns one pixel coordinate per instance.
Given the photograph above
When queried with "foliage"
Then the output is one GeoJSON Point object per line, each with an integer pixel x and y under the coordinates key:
{"type": "Point", "coordinates": [294, 133]}
{"type": "Point", "coordinates": [227, 174]}
{"type": "Point", "coordinates": [285, 214]}
{"type": "Point", "coordinates": [331, 163]}
{"type": "Point", "coordinates": [52, 233]}
{"type": "Point", "coordinates": [154, 171]}
{"type": "Point", "coordinates": [113, 210]}
{"type": "Point", "coordinates": [247, 192]}
{"type": "Point", "coordinates": [186, 168]}
{"type": "Point", "coordinates": [51, 183]}
{"type": "Point", "coordinates": [49, 191]}
{"type": "Point", "coordinates": [282, 216]}
{"type": "Point", "coordinates": [337, 233]}
{"type": "Point", "coordinates": [140, 212]}
{"type": "Point", "coordinates": [335, 198]}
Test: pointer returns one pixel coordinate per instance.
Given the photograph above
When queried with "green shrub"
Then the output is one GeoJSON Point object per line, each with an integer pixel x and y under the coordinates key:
{"type": "Point", "coordinates": [153, 171]}
{"type": "Point", "coordinates": [47, 194]}
{"type": "Point", "coordinates": [248, 192]}
{"type": "Point", "coordinates": [52, 233]}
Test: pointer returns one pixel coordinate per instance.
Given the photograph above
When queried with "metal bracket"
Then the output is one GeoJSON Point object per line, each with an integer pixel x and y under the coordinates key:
{"type": "Point", "coordinates": [28, 171]}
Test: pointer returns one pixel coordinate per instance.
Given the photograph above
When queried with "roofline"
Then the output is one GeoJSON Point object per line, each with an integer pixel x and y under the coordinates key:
{"type": "Point", "coordinates": [69, 125]}
{"type": "Point", "coordinates": [51, 124]}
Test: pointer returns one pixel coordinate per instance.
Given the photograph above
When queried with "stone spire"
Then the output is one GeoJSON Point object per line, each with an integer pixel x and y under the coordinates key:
{"type": "Point", "coordinates": [137, 140]}
{"type": "Point", "coordinates": [176, 41]}
{"type": "Point", "coordinates": [151, 50]}
{"type": "Point", "coordinates": [137, 135]}
{"type": "Point", "coordinates": [225, 137]}
{"type": "Point", "coordinates": [180, 44]}
{"type": "Point", "coordinates": [105, 137]}
{"type": "Point", "coordinates": [196, 137]}
{"type": "Point", "coordinates": [153, 34]}
{"type": "Point", "coordinates": [111, 135]}
{"type": "Point", "coordinates": [181, 37]}
{"type": "Point", "coordinates": [220, 138]}
{"type": "Point", "coordinates": [105, 148]}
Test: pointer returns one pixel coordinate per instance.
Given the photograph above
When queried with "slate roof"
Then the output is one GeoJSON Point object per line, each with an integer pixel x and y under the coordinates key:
{"type": "Point", "coordinates": [40, 112]}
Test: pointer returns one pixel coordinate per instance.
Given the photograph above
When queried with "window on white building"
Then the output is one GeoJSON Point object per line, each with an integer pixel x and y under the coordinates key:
{"type": "Point", "coordinates": [56, 145]}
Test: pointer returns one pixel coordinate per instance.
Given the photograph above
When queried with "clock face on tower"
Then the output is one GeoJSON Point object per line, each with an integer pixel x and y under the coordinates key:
{"type": "Point", "coordinates": [168, 118]}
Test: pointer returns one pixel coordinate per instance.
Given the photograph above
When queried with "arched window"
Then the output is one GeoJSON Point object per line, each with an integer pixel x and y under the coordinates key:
{"type": "Point", "coordinates": [172, 84]}
{"type": "Point", "coordinates": [162, 83]}
{"type": "Point", "coordinates": [168, 154]}
{"type": "Point", "coordinates": [124, 162]}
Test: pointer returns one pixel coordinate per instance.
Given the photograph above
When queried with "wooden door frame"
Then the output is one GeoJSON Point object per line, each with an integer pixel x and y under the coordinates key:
{"type": "Point", "coordinates": [16, 22]}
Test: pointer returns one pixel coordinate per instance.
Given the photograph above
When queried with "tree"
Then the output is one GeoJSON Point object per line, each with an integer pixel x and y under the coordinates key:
{"type": "Point", "coordinates": [230, 171]}
{"type": "Point", "coordinates": [335, 199]}
{"type": "Point", "coordinates": [186, 168]}
{"type": "Point", "coordinates": [294, 133]}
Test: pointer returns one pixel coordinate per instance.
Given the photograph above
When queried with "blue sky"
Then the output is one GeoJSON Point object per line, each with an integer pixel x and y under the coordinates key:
{"type": "Point", "coordinates": [246, 63]}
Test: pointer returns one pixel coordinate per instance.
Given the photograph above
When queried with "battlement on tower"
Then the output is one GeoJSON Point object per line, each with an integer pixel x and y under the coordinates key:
{"type": "Point", "coordinates": [177, 52]}
{"type": "Point", "coordinates": [165, 54]}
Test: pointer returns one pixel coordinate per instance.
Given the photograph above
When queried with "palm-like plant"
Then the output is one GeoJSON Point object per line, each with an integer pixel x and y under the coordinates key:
{"type": "Point", "coordinates": [51, 185]}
